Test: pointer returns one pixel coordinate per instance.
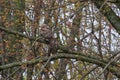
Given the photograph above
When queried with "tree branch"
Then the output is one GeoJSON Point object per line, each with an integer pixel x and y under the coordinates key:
{"type": "Point", "coordinates": [22, 35]}
{"type": "Point", "coordinates": [71, 54]}
{"type": "Point", "coordinates": [111, 68]}
{"type": "Point", "coordinates": [109, 14]}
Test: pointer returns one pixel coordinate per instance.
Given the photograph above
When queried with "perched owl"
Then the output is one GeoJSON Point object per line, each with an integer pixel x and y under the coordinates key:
{"type": "Point", "coordinates": [47, 34]}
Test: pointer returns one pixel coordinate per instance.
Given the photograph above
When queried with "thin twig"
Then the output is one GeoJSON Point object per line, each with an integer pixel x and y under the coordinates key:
{"type": "Point", "coordinates": [13, 73]}
{"type": "Point", "coordinates": [112, 60]}
{"type": "Point", "coordinates": [42, 68]}
{"type": "Point", "coordinates": [89, 72]}
{"type": "Point", "coordinates": [103, 4]}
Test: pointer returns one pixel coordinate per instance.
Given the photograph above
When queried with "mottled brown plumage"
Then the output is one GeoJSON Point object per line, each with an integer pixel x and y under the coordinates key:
{"type": "Point", "coordinates": [47, 34]}
{"type": "Point", "coordinates": [53, 46]}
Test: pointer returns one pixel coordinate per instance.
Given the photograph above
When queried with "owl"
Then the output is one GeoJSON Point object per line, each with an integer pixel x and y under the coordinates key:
{"type": "Point", "coordinates": [45, 32]}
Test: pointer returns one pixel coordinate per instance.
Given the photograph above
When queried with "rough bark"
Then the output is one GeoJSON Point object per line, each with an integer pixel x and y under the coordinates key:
{"type": "Point", "coordinates": [106, 10]}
